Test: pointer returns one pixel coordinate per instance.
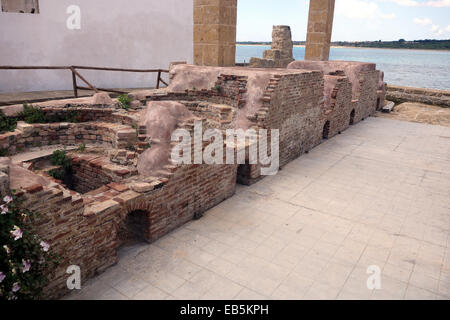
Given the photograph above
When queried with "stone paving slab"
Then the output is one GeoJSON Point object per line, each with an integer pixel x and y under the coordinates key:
{"type": "Point", "coordinates": [377, 195]}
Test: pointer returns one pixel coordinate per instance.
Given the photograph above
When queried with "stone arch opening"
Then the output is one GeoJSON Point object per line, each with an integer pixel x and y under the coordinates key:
{"type": "Point", "coordinates": [135, 228]}
{"type": "Point", "coordinates": [352, 117]}
{"type": "Point", "coordinates": [326, 130]}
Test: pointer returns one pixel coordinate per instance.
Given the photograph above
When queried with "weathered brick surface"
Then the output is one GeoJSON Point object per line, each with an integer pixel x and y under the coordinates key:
{"type": "Point", "coordinates": [292, 104]}
{"type": "Point", "coordinates": [33, 135]}
{"type": "Point", "coordinates": [339, 108]}
{"type": "Point", "coordinates": [86, 226]}
{"type": "Point", "coordinates": [92, 172]}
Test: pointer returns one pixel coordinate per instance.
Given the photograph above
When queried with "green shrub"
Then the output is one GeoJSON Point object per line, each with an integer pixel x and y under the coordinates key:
{"type": "Point", "coordinates": [81, 147]}
{"type": "Point", "coordinates": [124, 101]}
{"type": "Point", "coordinates": [3, 152]}
{"type": "Point", "coordinates": [32, 114]}
{"type": "Point", "coordinates": [59, 158]}
{"type": "Point", "coordinates": [58, 174]}
{"type": "Point", "coordinates": [25, 259]}
{"type": "Point", "coordinates": [7, 123]}
{"type": "Point", "coordinates": [72, 116]}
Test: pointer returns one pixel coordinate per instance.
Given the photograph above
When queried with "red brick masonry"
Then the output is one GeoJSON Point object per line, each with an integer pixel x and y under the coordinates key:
{"type": "Point", "coordinates": [85, 226]}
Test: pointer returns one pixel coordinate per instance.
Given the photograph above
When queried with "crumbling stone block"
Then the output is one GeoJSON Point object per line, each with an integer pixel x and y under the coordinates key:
{"type": "Point", "coordinates": [102, 99]}
{"type": "Point", "coordinates": [280, 54]}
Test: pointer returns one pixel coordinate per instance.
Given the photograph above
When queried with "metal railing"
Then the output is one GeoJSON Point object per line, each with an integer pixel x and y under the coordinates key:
{"type": "Point", "coordinates": [76, 74]}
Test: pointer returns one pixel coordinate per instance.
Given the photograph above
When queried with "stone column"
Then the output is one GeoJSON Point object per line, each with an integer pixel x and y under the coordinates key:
{"type": "Point", "coordinates": [281, 53]}
{"type": "Point", "coordinates": [215, 32]}
{"type": "Point", "coordinates": [320, 25]}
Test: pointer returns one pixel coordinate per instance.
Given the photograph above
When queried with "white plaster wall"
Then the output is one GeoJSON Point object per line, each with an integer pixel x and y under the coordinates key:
{"type": "Point", "coordinates": [114, 33]}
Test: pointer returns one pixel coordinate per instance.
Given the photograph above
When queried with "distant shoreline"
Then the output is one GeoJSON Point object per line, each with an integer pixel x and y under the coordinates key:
{"type": "Point", "coordinates": [345, 47]}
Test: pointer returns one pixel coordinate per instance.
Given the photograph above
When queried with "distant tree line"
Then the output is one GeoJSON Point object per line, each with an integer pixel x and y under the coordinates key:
{"type": "Point", "coordinates": [400, 44]}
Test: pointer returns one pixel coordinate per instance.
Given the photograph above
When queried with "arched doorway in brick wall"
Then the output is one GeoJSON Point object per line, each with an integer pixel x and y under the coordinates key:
{"type": "Point", "coordinates": [135, 228]}
{"type": "Point", "coordinates": [352, 117]}
{"type": "Point", "coordinates": [326, 130]}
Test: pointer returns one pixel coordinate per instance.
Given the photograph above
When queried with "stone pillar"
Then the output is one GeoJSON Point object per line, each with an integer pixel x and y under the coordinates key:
{"type": "Point", "coordinates": [281, 53]}
{"type": "Point", "coordinates": [215, 32]}
{"type": "Point", "coordinates": [282, 40]}
{"type": "Point", "coordinates": [320, 25]}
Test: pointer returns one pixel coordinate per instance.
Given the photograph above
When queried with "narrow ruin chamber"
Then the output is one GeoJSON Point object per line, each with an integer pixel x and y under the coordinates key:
{"type": "Point", "coordinates": [326, 130]}
{"type": "Point", "coordinates": [352, 117]}
{"type": "Point", "coordinates": [134, 229]}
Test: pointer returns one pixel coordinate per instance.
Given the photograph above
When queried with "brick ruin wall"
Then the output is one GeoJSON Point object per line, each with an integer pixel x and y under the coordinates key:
{"type": "Point", "coordinates": [339, 110]}
{"type": "Point", "coordinates": [292, 104]}
{"type": "Point", "coordinates": [88, 236]}
{"type": "Point", "coordinates": [93, 126]}
{"type": "Point", "coordinates": [85, 228]}
{"type": "Point", "coordinates": [368, 97]}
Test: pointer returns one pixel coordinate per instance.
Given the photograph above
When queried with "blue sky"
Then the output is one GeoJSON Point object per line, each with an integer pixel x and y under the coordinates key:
{"type": "Point", "coordinates": [354, 20]}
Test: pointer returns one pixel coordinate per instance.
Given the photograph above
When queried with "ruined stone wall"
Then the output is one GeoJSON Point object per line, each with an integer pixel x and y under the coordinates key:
{"type": "Point", "coordinates": [280, 54]}
{"type": "Point", "coordinates": [339, 108]}
{"type": "Point", "coordinates": [191, 191]}
{"type": "Point", "coordinates": [282, 41]}
{"type": "Point", "coordinates": [368, 96]}
{"type": "Point", "coordinates": [41, 134]}
{"type": "Point", "coordinates": [85, 233]}
{"type": "Point", "coordinates": [400, 94]}
{"type": "Point", "coordinates": [84, 229]}
{"type": "Point", "coordinates": [90, 173]}
{"type": "Point", "coordinates": [215, 115]}
{"type": "Point", "coordinates": [78, 240]}
{"type": "Point", "coordinates": [80, 112]}
{"type": "Point", "coordinates": [364, 79]}
{"type": "Point", "coordinates": [292, 104]}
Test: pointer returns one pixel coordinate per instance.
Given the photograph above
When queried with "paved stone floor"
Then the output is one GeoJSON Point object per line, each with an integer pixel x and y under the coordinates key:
{"type": "Point", "coordinates": [379, 194]}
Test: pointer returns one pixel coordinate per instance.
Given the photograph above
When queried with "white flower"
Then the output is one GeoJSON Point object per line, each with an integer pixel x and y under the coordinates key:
{"type": "Point", "coordinates": [7, 249]}
{"type": "Point", "coordinates": [45, 246]}
{"type": "Point", "coordinates": [2, 277]}
{"type": "Point", "coordinates": [8, 199]}
{"type": "Point", "coordinates": [26, 266]}
{"type": "Point", "coordinates": [4, 209]}
{"type": "Point", "coordinates": [16, 233]}
{"type": "Point", "coordinates": [16, 287]}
